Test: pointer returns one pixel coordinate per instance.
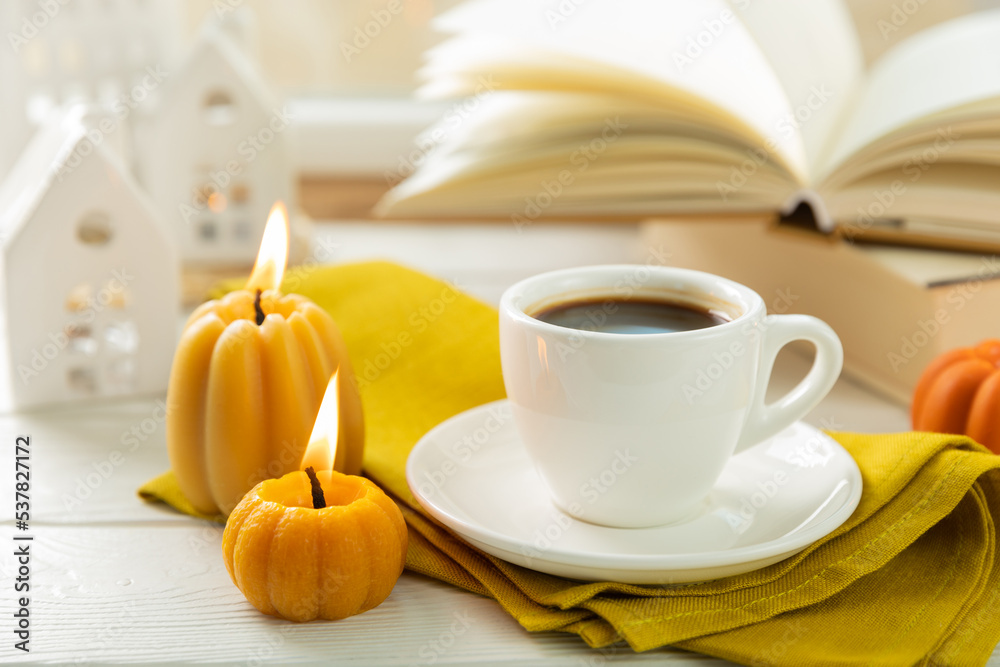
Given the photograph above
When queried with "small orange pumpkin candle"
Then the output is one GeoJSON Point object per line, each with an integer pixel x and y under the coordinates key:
{"type": "Point", "coordinates": [316, 544]}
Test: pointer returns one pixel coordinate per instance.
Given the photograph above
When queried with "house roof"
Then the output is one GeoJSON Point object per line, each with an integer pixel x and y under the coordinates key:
{"type": "Point", "coordinates": [36, 168]}
{"type": "Point", "coordinates": [39, 167]}
{"type": "Point", "coordinates": [215, 43]}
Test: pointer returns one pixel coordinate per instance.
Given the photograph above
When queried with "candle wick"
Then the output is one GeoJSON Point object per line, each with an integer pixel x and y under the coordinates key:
{"type": "Point", "coordinates": [257, 309]}
{"type": "Point", "coordinates": [319, 502]}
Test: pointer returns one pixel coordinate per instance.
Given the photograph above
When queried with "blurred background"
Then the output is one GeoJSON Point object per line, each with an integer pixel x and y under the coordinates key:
{"type": "Point", "coordinates": [212, 110]}
{"type": "Point", "coordinates": [299, 39]}
{"type": "Point", "coordinates": [350, 92]}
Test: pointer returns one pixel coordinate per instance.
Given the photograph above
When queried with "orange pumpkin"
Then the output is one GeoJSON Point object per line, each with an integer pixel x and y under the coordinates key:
{"type": "Point", "coordinates": [301, 563]}
{"type": "Point", "coordinates": [959, 392]}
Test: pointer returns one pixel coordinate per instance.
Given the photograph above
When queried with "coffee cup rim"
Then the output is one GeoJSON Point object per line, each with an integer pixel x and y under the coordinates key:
{"type": "Point", "coordinates": [750, 304]}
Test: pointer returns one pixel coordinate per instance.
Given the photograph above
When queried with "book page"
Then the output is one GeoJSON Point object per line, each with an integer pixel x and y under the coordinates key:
{"type": "Point", "coordinates": [814, 49]}
{"type": "Point", "coordinates": [647, 160]}
{"type": "Point", "coordinates": [946, 67]}
{"type": "Point", "coordinates": [698, 46]}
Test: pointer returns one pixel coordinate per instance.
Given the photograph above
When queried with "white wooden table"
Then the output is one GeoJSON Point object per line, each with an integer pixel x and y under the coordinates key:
{"type": "Point", "coordinates": [115, 580]}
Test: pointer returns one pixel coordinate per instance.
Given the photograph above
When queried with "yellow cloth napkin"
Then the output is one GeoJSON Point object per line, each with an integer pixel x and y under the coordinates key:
{"type": "Point", "coordinates": [911, 578]}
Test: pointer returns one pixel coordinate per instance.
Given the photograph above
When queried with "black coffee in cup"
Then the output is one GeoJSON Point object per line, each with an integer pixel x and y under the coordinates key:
{"type": "Point", "coordinates": [630, 316]}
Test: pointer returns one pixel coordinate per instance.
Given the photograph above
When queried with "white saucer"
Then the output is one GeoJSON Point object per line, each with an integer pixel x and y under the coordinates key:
{"type": "Point", "coordinates": [472, 474]}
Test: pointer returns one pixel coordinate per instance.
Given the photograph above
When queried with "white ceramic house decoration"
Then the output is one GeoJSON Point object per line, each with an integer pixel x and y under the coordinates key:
{"type": "Point", "coordinates": [89, 275]}
{"type": "Point", "coordinates": [214, 155]}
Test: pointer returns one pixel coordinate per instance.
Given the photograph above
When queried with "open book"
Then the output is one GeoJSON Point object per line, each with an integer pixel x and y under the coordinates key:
{"type": "Point", "coordinates": [610, 108]}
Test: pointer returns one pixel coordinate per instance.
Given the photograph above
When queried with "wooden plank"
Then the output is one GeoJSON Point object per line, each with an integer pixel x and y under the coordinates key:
{"type": "Point", "coordinates": [440, 248]}
{"type": "Point", "coordinates": [482, 259]}
{"type": "Point", "coordinates": [146, 594]}
{"type": "Point", "coordinates": [340, 197]}
{"type": "Point", "coordinates": [87, 462]}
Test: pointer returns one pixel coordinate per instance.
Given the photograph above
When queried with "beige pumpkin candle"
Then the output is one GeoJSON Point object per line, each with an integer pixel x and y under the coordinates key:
{"type": "Point", "coordinates": [247, 381]}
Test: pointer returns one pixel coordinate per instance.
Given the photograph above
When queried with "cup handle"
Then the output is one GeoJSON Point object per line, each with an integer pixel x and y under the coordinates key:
{"type": "Point", "coordinates": [766, 420]}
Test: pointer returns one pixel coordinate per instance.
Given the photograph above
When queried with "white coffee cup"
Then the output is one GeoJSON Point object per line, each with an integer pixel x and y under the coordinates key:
{"type": "Point", "coordinates": [633, 430]}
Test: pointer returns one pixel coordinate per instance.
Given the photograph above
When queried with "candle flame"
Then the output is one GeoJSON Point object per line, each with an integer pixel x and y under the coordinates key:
{"type": "Point", "coordinates": [269, 268]}
{"type": "Point", "coordinates": [322, 449]}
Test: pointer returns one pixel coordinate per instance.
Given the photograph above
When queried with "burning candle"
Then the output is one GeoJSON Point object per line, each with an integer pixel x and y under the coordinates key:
{"type": "Point", "coordinates": [316, 544]}
{"type": "Point", "coordinates": [247, 381]}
